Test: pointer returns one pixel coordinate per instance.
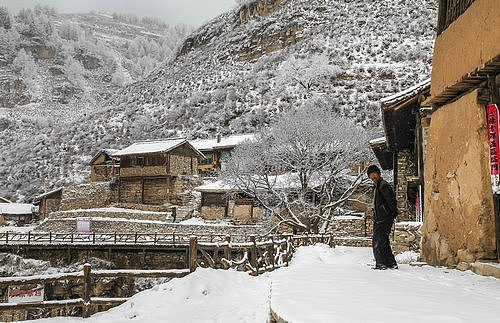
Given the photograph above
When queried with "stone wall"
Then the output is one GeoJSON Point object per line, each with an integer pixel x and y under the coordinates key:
{"type": "Point", "coordinates": [99, 225]}
{"type": "Point", "coordinates": [120, 258]}
{"type": "Point", "coordinates": [459, 216]}
{"type": "Point", "coordinates": [158, 191]}
{"type": "Point", "coordinates": [87, 196]}
{"type": "Point", "coordinates": [407, 236]}
{"type": "Point", "coordinates": [138, 171]}
{"type": "Point", "coordinates": [406, 168]}
{"type": "Point", "coordinates": [349, 226]}
{"type": "Point", "coordinates": [113, 214]}
{"type": "Point", "coordinates": [51, 205]}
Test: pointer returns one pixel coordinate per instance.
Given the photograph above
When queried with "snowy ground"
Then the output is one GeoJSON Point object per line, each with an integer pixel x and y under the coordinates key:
{"type": "Point", "coordinates": [320, 285]}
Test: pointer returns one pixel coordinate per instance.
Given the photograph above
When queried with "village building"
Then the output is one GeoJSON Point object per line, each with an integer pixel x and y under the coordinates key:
{"type": "Point", "coordinates": [19, 213]}
{"type": "Point", "coordinates": [48, 202]}
{"type": "Point", "coordinates": [221, 201]}
{"type": "Point", "coordinates": [217, 151]}
{"type": "Point", "coordinates": [461, 214]}
{"type": "Point", "coordinates": [152, 172]}
{"type": "Point", "coordinates": [402, 148]}
{"type": "Point", "coordinates": [103, 166]}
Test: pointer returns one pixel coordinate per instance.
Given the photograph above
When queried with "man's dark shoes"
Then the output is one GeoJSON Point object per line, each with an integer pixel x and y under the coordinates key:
{"type": "Point", "coordinates": [393, 266]}
{"type": "Point", "coordinates": [380, 267]}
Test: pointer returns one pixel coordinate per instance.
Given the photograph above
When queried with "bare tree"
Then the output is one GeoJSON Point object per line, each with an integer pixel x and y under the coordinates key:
{"type": "Point", "coordinates": [308, 72]}
{"type": "Point", "coordinates": [299, 169]}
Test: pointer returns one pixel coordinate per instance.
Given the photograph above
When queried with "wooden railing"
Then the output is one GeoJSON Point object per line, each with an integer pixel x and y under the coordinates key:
{"type": "Point", "coordinates": [256, 257]}
{"type": "Point", "coordinates": [54, 238]}
{"type": "Point", "coordinates": [85, 279]}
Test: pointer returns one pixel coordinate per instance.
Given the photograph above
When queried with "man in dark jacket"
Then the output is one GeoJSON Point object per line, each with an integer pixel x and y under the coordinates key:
{"type": "Point", "coordinates": [385, 211]}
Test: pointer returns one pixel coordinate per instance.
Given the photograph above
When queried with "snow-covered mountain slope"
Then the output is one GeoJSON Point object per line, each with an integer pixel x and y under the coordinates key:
{"type": "Point", "coordinates": [235, 74]}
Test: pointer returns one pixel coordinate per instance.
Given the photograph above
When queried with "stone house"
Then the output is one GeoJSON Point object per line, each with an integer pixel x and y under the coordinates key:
{"type": "Point", "coordinates": [48, 202]}
{"type": "Point", "coordinates": [222, 201]}
{"type": "Point", "coordinates": [401, 150]}
{"type": "Point", "coordinates": [103, 167]}
{"type": "Point", "coordinates": [461, 215]}
{"type": "Point", "coordinates": [217, 151]}
{"type": "Point", "coordinates": [20, 213]}
{"type": "Point", "coordinates": [151, 172]}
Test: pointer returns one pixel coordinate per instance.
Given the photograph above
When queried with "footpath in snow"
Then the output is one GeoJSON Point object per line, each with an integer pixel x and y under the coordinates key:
{"type": "Point", "coordinates": [320, 285]}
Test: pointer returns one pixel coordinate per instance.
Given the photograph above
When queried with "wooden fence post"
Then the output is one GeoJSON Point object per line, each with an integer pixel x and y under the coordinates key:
{"type": "Point", "coordinates": [193, 253]}
{"type": "Point", "coordinates": [253, 256]}
{"type": "Point", "coordinates": [86, 290]}
{"type": "Point", "coordinates": [227, 251]}
{"type": "Point", "coordinates": [273, 245]}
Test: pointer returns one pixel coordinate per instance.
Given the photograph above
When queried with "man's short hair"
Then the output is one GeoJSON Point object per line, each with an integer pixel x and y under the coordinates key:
{"type": "Point", "coordinates": [372, 169]}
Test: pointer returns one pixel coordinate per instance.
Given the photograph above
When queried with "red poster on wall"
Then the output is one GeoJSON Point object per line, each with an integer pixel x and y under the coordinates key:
{"type": "Point", "coordinates": [492, 123]}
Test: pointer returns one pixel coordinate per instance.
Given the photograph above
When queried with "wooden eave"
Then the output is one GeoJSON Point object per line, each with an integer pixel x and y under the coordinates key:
{"type": "Point", "coordinates": [40, 197]}
{"type": "Point", "coordinates": [467, 83]}
{"type": "Point", "coordinates": [383, 155]}
{"type": "Point", "coordinates": [399, 120]}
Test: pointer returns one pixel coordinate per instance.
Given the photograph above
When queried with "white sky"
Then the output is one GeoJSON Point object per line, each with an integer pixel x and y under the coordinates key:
{"type": "Point", "coordinates": [191, 12]}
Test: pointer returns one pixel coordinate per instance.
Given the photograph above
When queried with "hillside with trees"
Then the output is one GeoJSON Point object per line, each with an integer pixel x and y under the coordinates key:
{"type": "Point", "coordinates": [235, 74]}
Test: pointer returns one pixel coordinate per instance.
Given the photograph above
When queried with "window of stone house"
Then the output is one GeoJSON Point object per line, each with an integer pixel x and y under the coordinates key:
{"type": "Point", "coordinates": [215, 199]}
{"type": "Point", "coordinates": [208, 160]}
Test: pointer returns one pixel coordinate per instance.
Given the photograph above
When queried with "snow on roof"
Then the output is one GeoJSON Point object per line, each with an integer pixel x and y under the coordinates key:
{"type": "Point", "coordinates": [406, 94]}
{"type": "Point", "coordinates": [225, 142]}
{"type": "Point", "coordinates": [216, 187]}
{"type": "Point", "coordinates": [5, 200]}
{"type": "Point", "coordinates": [378, 141]}
{"type": "Point", "coordinates": [154, 146]}
{"type": "Point", "coordinates": [16, 208]}
{"type": "Point", "coordinates": [283, 181]}
{"type": "Point", "coordinates": [39, 197]}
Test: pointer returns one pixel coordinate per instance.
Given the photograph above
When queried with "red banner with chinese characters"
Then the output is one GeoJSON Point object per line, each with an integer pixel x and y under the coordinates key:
{"type": "Point", "coordinates": [492, 123]}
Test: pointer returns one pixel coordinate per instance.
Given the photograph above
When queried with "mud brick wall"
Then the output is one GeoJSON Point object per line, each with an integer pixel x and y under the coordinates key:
{"type": "Point", "coordinates": [212, 212]}
{"type": "Point", "coordinates": [247, 214]}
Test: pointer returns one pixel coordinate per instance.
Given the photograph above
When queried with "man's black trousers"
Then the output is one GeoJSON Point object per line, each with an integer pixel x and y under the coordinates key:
{"type": "Point", "coordinates": [381, 246]}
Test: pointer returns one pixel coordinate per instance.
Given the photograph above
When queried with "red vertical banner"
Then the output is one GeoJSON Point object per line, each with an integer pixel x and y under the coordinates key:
{"type": "Point", "coordinates": [493, 143]}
